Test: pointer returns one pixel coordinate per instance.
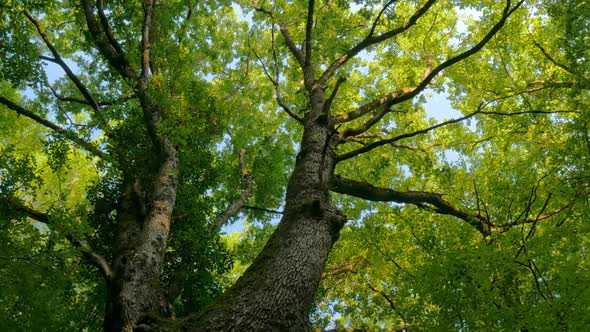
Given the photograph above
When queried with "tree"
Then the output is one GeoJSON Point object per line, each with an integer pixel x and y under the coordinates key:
{"type": "Point", "coordinates": [172, 137]}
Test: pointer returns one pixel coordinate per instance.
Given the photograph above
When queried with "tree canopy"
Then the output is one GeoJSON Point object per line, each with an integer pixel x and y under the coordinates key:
{"type": "Point", "coordinates": [410, 165]}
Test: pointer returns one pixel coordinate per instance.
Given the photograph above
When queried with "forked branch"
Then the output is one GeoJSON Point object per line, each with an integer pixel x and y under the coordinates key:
{"type": "Point", "coordinates": [106, 45]}
{"type": "Point", "coordinates": [372, 40]}
{"type": "Point", "coordinates": [274, 79]}
{"type": "Point", "coordinates": [90, 100]}
{"type": "Point", "coordinates": [384, 103]}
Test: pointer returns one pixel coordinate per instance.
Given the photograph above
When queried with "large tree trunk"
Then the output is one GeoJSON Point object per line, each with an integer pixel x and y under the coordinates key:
{"type": "Point", "coordinates": [144, 219]}
{"type": "Point", "coordinates": [276, 292]}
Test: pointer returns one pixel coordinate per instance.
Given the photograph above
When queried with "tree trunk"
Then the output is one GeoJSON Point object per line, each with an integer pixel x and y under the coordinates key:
{"type": "Point", "coordinates": [276, 292]}
{"type": "Point", "coordinates": [135, 289]}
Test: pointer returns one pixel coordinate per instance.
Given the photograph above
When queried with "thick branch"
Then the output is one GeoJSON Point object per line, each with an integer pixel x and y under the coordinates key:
{"type": "Point", "coordinates": [65, 132]}
{"type": "Point", "coordinates": [370, 40]}
{"type": "Point", "coordinates": [112, 53]}
{"type": "Point", "coordinates": [107, 27]}
{"type": "Point", "coordinates": [431, 201]}
{"type": "Point", "coordinates": [97, 260]}
{"type": "Point", "coordinates": [59, 60]}
{"type": "Point", "coordinates": [419, 198]}
{"type": "Point", "coordinates": [145, 41]}
{"type": "Point", "coordinates": [397, 97]}
{"type": "Point", "coordinates": [308, 31]}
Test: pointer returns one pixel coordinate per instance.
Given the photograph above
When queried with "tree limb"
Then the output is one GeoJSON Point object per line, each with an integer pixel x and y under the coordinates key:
{"type": "Point", "coordinates": [330, 99]}
{"type": "Point", "coordinates": [275, 80]}
{"type": "Point", "coordinates": [95, 259]}
{"type": "Point", "coordinates": [419, 198]}
{"type": "Point", "coordinates": [371, 40]}
{"type": "Point", "coordinates": [112, 53]}
{"type": "Point", "coordinates": [308, 31]}
{"type": "Point", "coordinates": [550, 58]}
{"type": "Point", "coordinates": [107, 27]}
{"type": "Point", "coordinates": [292, 47]}
{"type": "Point", "coordinates": [345, 267]}
{"type": "Point", "coordinates": [378, 18]}
{"type": "Point", "coordinates": [85, 102]}
{"type": "Point", "coordinates": [368, 147]}
{"type": "Point", "coordinates": [389, 300]}
{"type": "Point", "coordinates": [257, 208]}
{"type": "Point", "coordinates": [90, 100]}
{"type": "Point", "coordinates": [431, 201]}
{"type": "Point", "coordinates": [46, 123]}
{"type": "Point", "coordinates": [233, 208]}
{"type": "Point", "coordinates": [396, 97]}
{"type": "Point", "coordinates": [379, 143]}
{"type": "Point", "coordinates": [148, 11]}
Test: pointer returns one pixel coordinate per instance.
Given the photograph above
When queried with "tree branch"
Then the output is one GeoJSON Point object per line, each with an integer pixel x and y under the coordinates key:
{"type": "Point", "coordinates": [85, 102]}
{"type": "Point", "coordinates": [550, 58]}
{"type": "Point", "coordinates": [390, 301]}
{"type": "Point", "coordinates": [59, 60]}
{"type": "Point", "coordinates": [257, 208]}
{"type": "Point", "coordinates": [46, 123]}
{"type": "Point", "coordinates": [308, 31]}
{"type": "Point", "coordinates": [233, 208]}
{"type": "Point", "coordinates": [431, 201]}
{"type": "Point", "coordinates": [107, 27]}
{"type": "Point", "coordinates": [95, 259]}
{"type": "Point", "coordinates": [148, 10]}
{"type": "Point", "coordinates": [371, 146]}
{"type": "Point", "coordinates": [275, 80]}
{"type": "Point", "coordinates": [378, 18]}
{"type": "Point", "coordinates": [379, 143]}
{"type": "Point", "coordinates": [345, 267]}
{"type": "Point", "coordinates": [370, 40]}
{"type": "Point", "coordinates": [397, 97]}
{"type": "Point", "coordinates": [419, 198]}
{"type": "Point", "coordinates": [330, 99]}
{"type": "Point", "coordinates": [112, 53]}
{"type": "Point", "coordinates": [292, 47]}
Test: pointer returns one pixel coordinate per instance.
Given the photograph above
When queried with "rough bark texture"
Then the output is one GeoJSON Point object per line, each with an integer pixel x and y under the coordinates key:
{"type": "Point", "coordinates": [135, 289]}
{"type": "Point", "coordinates": [277, 290]}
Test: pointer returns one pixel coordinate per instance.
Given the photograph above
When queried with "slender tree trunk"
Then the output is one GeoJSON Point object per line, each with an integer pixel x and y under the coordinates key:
{"type": "Point", "coordinates": [276, 292]}
{"type": "Point", "coordinates": [138, 253]}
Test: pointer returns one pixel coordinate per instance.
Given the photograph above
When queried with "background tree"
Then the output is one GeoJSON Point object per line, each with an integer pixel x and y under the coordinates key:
{"type": "Point", "coordinates": [174, 108]}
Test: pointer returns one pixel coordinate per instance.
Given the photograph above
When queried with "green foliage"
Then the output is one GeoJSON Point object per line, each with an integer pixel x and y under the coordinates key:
{"type": "Point", "coordinates": [394, 265]}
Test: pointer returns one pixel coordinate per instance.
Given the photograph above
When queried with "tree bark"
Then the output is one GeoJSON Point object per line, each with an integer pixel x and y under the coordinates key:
{"type": "Point", "coordinates": [276, 291]}
{"type": "Point", "coordinates": [144, 220]}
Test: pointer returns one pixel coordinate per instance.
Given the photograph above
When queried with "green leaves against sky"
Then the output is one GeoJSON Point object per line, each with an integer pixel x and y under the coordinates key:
{"type": "Point", "coordinates": [522, 161]}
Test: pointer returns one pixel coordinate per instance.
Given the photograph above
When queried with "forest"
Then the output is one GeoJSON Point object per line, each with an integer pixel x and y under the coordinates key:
{"type": "Point", "coordinates": [290, 165]}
